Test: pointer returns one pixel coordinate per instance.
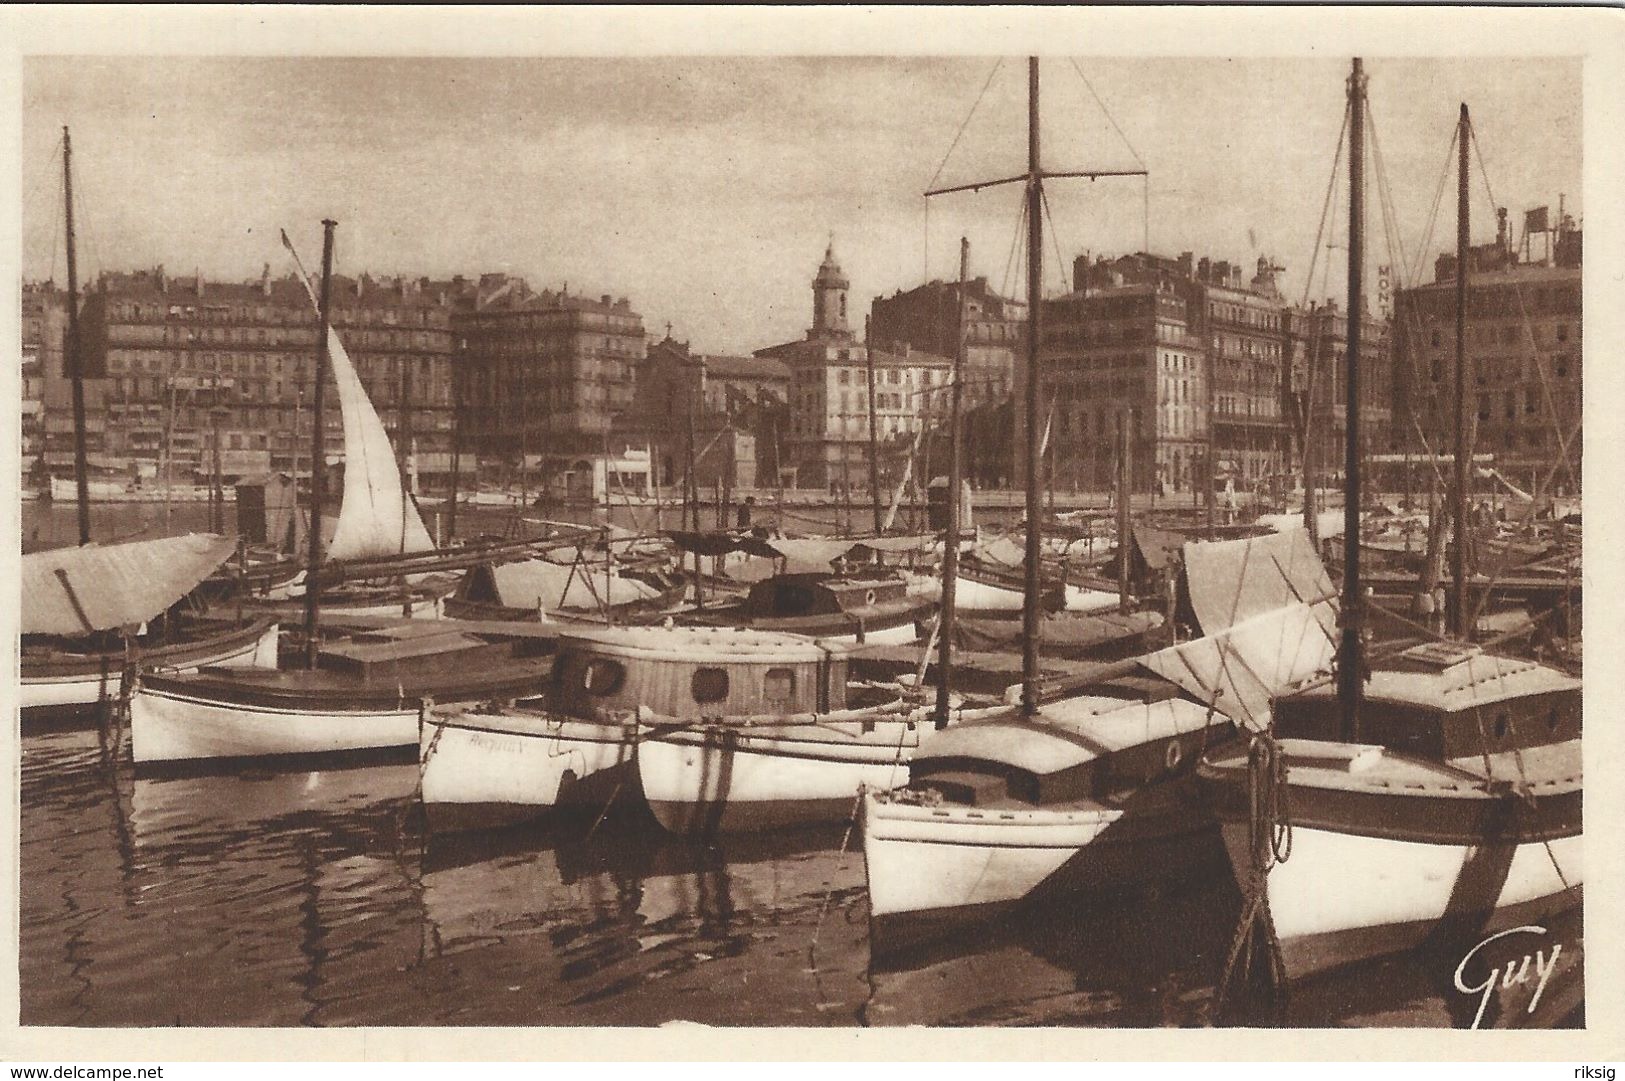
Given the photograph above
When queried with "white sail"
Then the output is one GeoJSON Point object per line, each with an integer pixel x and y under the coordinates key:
{"type": "Point", "coordinates": [375, 518]}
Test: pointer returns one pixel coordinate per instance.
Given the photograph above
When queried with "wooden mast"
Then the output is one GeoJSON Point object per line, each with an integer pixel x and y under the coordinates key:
{"type": "Point", "coordinates": [456, 451]}
{"type": "Point", "coordinates": [1350, 663]}
{"type": "Point", "coordinates": [318, 452]}
{"type": "Point", "coordinates": [1458, 550]}
{"type": "Point", "coordinates": [950, 540]}
{"type": "Point", "coordinates": [1035, 283]}
{"type": "Point", "coordinates": [76, 366]}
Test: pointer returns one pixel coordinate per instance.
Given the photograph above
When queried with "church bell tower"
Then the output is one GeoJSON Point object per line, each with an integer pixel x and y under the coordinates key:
{"type": "Point", "coordinates": [829, 299]}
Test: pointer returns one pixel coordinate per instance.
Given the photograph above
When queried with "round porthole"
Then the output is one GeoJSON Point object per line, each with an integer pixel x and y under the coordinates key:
{"type": "Point", "coordinates": [1500, 727]}
{"type": "Point", "coordinates": [869, 597]}
{"type": "Point", "coordinates": [1173, 755]}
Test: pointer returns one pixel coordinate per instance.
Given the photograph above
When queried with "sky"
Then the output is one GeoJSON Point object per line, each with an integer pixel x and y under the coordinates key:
{"type": "Point", "coordinates": [705, 189]}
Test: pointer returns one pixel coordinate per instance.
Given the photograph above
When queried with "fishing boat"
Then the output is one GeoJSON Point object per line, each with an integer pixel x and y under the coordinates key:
{"type": "Point", "coordinates": [1432, 796]}
{"type": "Point", "coordinates": [89, 614]}
{"type": "Point", "coordinates": [1096, 791]}
{"type": "Point", "coordinates": [363, 694]}
{"type": "Point", "coordinates": [717, 728]}
{"type": "Point", "coordinates": [366, 694]}
{"type": "Point", "coordinates": [1092, 788]}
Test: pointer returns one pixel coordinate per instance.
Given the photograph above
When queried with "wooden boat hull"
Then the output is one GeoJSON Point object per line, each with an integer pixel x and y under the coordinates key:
{"type": "Point", "coordinates": [1405, 894]}
{"type": "Point", "coordinates": [167, 726]}
{"type": "Point", "coordinates": [88, 681]}
{"type": "Point", "coordinates": [935, 869]}
{"type": "Point", "coordinates": [719, 779]}
{"type": "Point", "coordinates": [498, 768]}
{"type": "Point", "coordinates": [1438, 858]}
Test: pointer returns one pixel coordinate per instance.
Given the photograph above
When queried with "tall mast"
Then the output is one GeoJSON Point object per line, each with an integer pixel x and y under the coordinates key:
{"type": "Point", "coordinates": [456, 450]}
{"type": "Point", "coordinates": [1035, 283]}
{"type": "Point", "coordinates": [318, 451]}
{"type": "Point", "coordinates": [1349, 661]}
{"type": "Point", "coordinates": [950, 540]}
{"type": "Point", "coordinates": [76, 367]}
{"type": "Point", "coordinates": [1458, 551]}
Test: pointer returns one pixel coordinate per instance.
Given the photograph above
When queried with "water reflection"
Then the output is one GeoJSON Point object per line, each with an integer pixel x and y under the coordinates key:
{"type": "Point", "coordinates": [315, 898]}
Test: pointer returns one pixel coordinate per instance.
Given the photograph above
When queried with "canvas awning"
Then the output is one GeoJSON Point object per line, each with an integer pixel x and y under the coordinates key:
{"type": "Point", "coordinates": [535, 583]}
{"type": "Point", "coordinates": [1233, 581]}
{"type": "Point", "coordinates": [1243, 669]}
{"type": "Point", "coordinates": [74, 591]}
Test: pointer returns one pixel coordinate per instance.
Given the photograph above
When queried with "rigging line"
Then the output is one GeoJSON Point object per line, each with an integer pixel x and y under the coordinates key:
{"type": "Point", "coordinates": [1438, 201]}
{"type": "Point", "coordinates": [1015, 245]}
{"type": "Point", "coordinates": [1326, 206]}
{"type": "Point", "coordinates": [965, 124]}
{"type": "Point", "coordinates": [1108, 112]}
{"type": "Point", "coordinates": [1385, 197]}
{"type": "Point", "coordinates": [1055, 240]}
{"type": "Point", "coordinates": [1529, 332]}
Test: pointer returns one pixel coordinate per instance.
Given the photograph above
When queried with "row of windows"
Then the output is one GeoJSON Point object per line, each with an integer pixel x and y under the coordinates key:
{"type": "Point", "coordinates": [604, 676]}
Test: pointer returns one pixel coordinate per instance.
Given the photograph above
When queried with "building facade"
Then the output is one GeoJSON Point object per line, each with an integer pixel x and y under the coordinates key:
{"type": "Point", "coordinates": [1317, 397]}
{"type": "Point", "coordinates": [738, 406]}
{"type": "Point", "coordinates": [1523, 353]}
{"type": "Point", "coordinates": [927, 318]}
{"type": "Point", "coordinates": [543, 373]}
{"type": "Point", "coordinates": [829, 434]}
{"type": "Point", "coordinates": [1123, 348]}
{"type": "Point", "coordinates": [196, 371]}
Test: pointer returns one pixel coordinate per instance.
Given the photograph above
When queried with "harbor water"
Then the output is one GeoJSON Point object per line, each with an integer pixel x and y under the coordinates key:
{"type": "Point", "coordinates": [315, 898]}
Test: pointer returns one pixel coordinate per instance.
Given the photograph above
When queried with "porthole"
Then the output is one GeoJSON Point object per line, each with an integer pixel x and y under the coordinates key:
{"type": "Point", "coordinates": [779, 686]}
{"type": "Point", "coordinates": [1499, 729]}
{"type": "Point", "coordinates": [1172, 756]}
{"type": "Point", "coordinates": [709, 685]}
{"type": "Point", "coordinates": [601, 676]}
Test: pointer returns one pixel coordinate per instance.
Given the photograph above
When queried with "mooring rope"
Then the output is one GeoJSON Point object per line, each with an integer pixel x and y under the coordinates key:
{"type": "Point", "coordinates": [1269, 840]}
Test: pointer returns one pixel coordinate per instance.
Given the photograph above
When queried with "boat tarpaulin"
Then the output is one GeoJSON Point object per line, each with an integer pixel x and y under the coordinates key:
{"type": "Point", "coordinates": [1070, 637]}
{"type": "Point", "coordinates": [810, 554]}
{"type": "Point", "coordinates": [114, 585]}
{"type": "Point", "coordinates": [1241, 670]}
{"type": "Point", "coordinates": [720, 544]}
{"type": "Point", "coordinates": [1233, 581]}
{"type": "Point", "coordinates": [535, 583]}
{"type": "Point", "coordinates": [1002, 550]}
{"type": "Point", "coordinates": [1160, 548]}
{"type": "Point", "coordinates": [894, 545]}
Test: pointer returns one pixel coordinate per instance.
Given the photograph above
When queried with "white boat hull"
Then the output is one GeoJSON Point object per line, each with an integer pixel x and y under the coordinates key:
{"type": "Point", "coordinates": [922, 858]}
{"type": "Point", "coordinates": [490, 769]}
{"type": "Point", "coordinates": [167, 727]}
{"type": "Point", "coordinates": [1401, 891]}
{"type": "Point", "coordinates": [87, 690]}
{"type": "Point", "coordinates": [701, 781]}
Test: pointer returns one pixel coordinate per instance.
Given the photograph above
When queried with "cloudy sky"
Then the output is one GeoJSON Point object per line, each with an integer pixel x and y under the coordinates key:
{"type": "Point", "coordinates": [705, 188]}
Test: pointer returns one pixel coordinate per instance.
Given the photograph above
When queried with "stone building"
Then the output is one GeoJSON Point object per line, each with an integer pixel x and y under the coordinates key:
{"type": "Point", "coordinates": [1317, 344]}
{"type": "Point", "coordinates": [1523, 354]}
{"type": "Point", "coordinates": [927, 318]}
{"type": "Point", "coordinates": [547, 372]}
{"type": "Point", "coordinates": [739, 407]}
{"type": "Point", "coordinates": [829, 438]}
{"type": "Point", "coordinates": [191, 366]}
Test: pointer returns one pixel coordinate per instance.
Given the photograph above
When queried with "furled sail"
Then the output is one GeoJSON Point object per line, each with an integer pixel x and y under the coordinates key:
{"type": "Point", "coordinates": [375, 517]}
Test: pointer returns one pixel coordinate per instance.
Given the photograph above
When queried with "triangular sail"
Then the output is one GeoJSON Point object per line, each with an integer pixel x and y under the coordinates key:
{"type": "Point", "coordinates": [375, 517]}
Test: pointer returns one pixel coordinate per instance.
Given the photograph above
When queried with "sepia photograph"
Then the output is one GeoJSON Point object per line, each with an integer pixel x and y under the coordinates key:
{"type": "Point", "coordinates": [763, 536]}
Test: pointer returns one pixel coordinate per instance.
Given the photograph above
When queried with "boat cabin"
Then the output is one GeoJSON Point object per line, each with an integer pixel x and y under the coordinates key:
{"type": "Point", "coordinates": [1446, 700]}
{"type": "Point", "coordinates": [820, 605]}
{"type": "Point", "coordinates": [695, 672]}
